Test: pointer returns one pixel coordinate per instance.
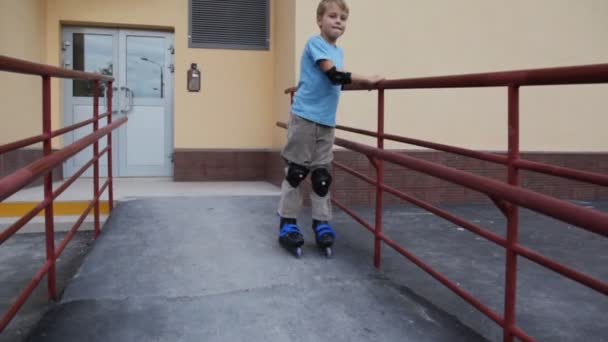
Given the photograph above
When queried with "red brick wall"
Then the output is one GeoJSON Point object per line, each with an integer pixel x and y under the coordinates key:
{"type": "Point", "coordinates": [14, 160]}
{"type": "Point", "coordinates": [219, 165]}
{"type": "Point", "coordinates": [265, 165]}
{"type": "Point", "coordinates": [275, 168]}
{"type": "Point", "coordinates": [352, 191]}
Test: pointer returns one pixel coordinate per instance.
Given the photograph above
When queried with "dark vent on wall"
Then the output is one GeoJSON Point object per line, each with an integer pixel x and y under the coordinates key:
{"type": "Point", "coordinates": [229, 24]}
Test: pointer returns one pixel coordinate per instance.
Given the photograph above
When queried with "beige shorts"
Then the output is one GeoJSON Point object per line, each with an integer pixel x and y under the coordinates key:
{"type": "Point", "coordinates": [308, 143]}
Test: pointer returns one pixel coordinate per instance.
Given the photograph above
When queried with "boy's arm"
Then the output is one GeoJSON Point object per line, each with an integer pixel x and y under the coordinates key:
{"type": "Point", "coordinates": [366, 81]}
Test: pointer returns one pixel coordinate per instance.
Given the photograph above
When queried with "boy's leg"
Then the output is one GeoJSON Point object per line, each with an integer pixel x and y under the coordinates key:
{"type": "Point", "coordinates": [290, 203]}
{"type": "Point", "coordinates": [321, 181]}
{"type": "Point", "coordinates": [298, 155]}
{"type": "Point", "coordinates": [321, 208]}
{"type": "Point", "coordinates": [320, 196]}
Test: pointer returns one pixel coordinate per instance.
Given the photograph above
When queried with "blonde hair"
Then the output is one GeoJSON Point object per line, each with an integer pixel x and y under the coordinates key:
{"type": "Point", "coordinates": [324, 4]}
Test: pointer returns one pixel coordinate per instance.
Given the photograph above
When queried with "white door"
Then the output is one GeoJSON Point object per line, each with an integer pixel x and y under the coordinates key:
{"type": "Point", "coordinates": [141, 63]}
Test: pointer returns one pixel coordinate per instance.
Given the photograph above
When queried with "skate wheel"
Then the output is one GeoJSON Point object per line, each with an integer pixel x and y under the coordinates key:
{"type": "Point", "coordinates": [298, 252]}
{"type": "Point", "coordinates": [328, 252]}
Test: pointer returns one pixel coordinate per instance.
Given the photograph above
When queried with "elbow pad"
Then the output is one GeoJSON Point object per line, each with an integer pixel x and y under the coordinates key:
{"type": "Point", "coordinates": [338, 77]}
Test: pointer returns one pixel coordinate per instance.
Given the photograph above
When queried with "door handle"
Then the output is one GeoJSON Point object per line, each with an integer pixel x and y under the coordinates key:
{"type": "Point", "coordinates": [129, 96]}
{"type": "Point", "coordinates": [114, 89]}
{"type": "Point", "coordinates": [107, 92]}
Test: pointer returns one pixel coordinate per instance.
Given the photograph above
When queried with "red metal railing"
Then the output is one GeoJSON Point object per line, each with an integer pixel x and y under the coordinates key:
{"type": "Point", "coordinates": [507, 197]}
{"type": "Point", "coordinates": [15, 181]}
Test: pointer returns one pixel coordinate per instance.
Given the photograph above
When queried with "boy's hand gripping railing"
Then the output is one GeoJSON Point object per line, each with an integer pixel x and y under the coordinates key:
{"type": "Point", "coordinates": [17, 180]}
{"type": "Point", "coordinates": [506, 196]}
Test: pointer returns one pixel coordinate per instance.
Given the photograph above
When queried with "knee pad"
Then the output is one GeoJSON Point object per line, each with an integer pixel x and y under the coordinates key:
{"type": "Point", "coordinates": [321, 180]}
{"type": "Point", "coordinates": [296, 174]}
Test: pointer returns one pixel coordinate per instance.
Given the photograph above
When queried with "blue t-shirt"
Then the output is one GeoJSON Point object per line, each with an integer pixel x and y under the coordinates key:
{"type": "Point", "coordinates": [317, 98]}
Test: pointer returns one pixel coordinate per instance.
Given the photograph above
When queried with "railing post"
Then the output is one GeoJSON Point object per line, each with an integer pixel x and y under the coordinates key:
{"type": "Point", "coordinates": [96, 155]}
{"type": "Point", "coordinates": [379, 182]}
{"type": "Point", "coordinates": [48, 187]}
{"type": "Point", "coordinates": [110, 183]}
{"type": "Point", "coordinates": [512, 217]}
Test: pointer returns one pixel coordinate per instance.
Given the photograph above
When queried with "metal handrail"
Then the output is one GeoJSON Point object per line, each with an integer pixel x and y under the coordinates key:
{"type": "Point", "coordinates": [39, 138]}
{"type": "Point", "coordinates": [20, 178]}
{"type": "Point", "coordinates": [21, 66]}
{"type": "Point", "coordinates": [14, 182]}
{"type": "Point", "coordinates": [507, 196]}
{"type": "Point", "coordinates": [585, 74]}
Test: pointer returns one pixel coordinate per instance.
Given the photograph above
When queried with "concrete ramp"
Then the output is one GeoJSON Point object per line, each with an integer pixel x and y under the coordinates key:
{"type": "Point", "coordinates": [210, 269]}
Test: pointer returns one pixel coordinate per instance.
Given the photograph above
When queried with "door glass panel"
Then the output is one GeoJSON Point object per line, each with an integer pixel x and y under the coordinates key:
{"type": "Point", "coordinates": [145, 66]}
{"type": "Point", "coordinates": [92, 53]}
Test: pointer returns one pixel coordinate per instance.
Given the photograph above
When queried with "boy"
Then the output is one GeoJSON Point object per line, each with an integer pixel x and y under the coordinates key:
{"type": "Point", "coordinates": [310, 134]}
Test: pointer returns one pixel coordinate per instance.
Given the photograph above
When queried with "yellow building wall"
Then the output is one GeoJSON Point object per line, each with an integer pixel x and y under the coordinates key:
{"type": "Point", "coordinates": [242, 93]}
{"type": "Point", "coordinates": [234, 108]}
{"type": "Point", "coordinates": [22, 24]}
{"type": "Point", "coordinates": [416, 38]}
{"type": "Point", "coordinates": [285, 64]}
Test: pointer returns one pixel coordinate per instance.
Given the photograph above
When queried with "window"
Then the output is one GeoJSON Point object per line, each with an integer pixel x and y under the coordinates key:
{"type": "Point", "coordinates": [229, 24]}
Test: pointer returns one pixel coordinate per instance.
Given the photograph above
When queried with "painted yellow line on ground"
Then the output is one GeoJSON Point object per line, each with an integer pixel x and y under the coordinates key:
{"type": "Point", "coordinates": [60, 208]}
